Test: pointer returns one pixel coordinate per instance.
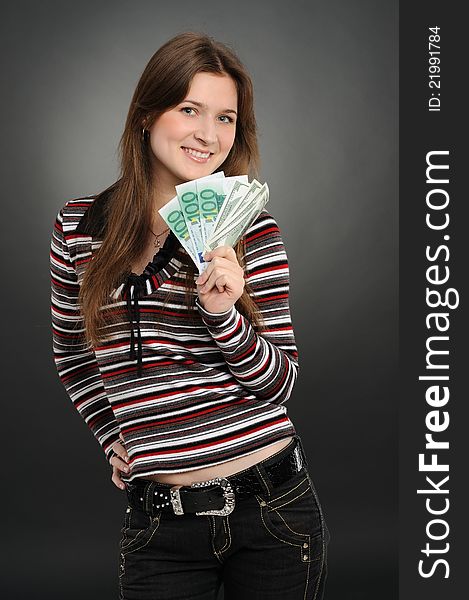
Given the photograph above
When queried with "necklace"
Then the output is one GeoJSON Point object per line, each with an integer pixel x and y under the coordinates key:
{"type": "Point", "coordinates": [157, 243]}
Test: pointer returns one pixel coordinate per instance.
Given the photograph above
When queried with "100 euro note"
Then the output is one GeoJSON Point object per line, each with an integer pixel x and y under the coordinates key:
{"type": "Point", "coordinates": [188, 199]}
{"type": "Point", "coordinates": [174, 217]}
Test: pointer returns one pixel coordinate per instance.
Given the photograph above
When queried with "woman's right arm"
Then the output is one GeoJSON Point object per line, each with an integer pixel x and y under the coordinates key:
{"type": "Point", "coordinates": [76, 364]}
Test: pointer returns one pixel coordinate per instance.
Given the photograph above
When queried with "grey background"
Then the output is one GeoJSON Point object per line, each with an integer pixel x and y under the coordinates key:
{"type": "Point", "coordinates": [326, 92]}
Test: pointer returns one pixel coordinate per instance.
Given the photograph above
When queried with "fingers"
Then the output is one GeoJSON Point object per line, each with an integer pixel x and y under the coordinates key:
{"type": "Point", "coordinates": [120, 451]}
{"type": "Point", "coordinates": [220, 272]}
{"type": "Point", "coordinates": [116, 479]}
{"type": "Point", "coordinates": [118, 466]}
{"type": "Point", "coordinates": [218, 280]}
{"type": "Point", "coordinates": [222, 277]}
{"type": "Point", "coordinates": [119, 463]}
{"type": "Point", "coordinates": [223, 251]}
{"type": "Point", "coordinates": [222, 256]}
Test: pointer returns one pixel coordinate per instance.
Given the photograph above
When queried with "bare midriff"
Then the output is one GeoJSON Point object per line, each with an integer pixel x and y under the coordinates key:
{"type": "Point", "coordinates": [223, 469]}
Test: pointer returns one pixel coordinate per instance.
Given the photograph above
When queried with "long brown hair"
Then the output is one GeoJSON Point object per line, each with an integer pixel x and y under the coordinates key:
{"type": "Point", "coordinates": [164, 84]}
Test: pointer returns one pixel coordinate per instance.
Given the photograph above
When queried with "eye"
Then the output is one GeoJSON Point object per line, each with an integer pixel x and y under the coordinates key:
{"type": "Point", "coordinates": [187, 108]}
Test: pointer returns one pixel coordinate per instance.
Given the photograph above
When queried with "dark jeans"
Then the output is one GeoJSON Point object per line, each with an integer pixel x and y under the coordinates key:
{"type": "Point", "coordinates": [270, 547]}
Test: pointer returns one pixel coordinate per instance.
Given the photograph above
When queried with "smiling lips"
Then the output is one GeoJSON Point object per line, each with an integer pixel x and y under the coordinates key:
{"type": "Point", "coordinates": [201, 157]}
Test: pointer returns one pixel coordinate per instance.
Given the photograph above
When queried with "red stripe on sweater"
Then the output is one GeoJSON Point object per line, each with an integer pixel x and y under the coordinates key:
{"type": "Point", "coordinates": [263, 232]}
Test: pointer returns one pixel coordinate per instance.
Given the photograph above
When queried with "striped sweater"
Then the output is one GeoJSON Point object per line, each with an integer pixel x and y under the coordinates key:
{"type": "Point", "coordinates": [208, 388]}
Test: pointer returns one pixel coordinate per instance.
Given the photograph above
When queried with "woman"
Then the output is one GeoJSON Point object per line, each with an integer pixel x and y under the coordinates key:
{"type": "Point", "coordinates": [183, 380]}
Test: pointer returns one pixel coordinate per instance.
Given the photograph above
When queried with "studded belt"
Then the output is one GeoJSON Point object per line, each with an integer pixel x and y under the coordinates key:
{"type": "Point", "coordinates": [218, 496]}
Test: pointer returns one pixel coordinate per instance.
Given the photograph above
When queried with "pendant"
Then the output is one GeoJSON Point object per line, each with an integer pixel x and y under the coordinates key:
{"type": "Point", "coordinates": [157, 243]}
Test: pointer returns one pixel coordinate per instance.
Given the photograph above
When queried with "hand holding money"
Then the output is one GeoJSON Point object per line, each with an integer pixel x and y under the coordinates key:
{"type": "Point", "coordinates": [212, 212]}
{"type": "Point", "coordinates": [222, 282]}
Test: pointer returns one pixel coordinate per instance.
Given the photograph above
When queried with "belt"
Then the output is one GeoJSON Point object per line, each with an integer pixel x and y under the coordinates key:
{"type": "Point", "coordinates": [218, 496]}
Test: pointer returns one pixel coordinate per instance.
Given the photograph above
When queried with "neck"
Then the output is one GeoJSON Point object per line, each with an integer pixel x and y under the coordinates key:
{"type": "Point", "coordinates": [158, 223]}
{"type": "Point", "coordinates": [161, 199]}
{"type": "Point", "coordinates": [163, 187]}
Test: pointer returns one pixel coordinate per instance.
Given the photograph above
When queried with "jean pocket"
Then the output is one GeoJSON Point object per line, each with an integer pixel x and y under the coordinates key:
{"type": "Point", "coordinates": [292, 515]}
{"type": "Point", "coordinates": [138, 529]}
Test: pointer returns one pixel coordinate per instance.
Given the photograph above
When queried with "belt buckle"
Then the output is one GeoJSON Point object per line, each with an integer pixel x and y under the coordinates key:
{"type": "Point", "coordinates": [298, 458]}
{"type": "Point", "coordinates": [228, 494]}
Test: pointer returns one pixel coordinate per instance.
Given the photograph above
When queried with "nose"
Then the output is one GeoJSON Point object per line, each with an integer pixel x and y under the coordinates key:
{"type": "Point", "coordinates": [206, 132]}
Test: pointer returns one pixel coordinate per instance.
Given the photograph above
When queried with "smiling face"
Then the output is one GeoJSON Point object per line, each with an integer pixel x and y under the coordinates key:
{"type": "Point", "coordinates": [194, 138]}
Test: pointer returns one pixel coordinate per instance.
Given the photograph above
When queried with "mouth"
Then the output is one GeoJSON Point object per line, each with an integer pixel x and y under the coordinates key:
{"type": "Point", "coordinates": [196, 155]}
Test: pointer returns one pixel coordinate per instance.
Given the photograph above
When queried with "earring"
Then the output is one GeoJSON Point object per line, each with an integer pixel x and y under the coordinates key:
{"type": "Point", "coordinates": [143, 134]}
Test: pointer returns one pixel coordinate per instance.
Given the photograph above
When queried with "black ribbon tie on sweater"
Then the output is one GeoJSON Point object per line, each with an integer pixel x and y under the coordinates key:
{"type": "Point", "coordinates": [135, 288]}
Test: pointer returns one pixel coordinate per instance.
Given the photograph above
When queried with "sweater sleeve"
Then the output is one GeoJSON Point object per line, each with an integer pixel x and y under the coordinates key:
{"type": "Point", "coordinates": [76, 364]}
{"type": "Point", "coordinates": [266, 363]}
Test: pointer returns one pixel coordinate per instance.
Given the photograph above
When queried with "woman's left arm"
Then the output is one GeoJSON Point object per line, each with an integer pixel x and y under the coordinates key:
{"type": "Point", "coordinates": [266, 363]}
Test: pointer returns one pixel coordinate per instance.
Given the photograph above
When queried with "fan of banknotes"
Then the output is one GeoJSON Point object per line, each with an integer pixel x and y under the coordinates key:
{"type": "Point", "coordinates": [213, 211]}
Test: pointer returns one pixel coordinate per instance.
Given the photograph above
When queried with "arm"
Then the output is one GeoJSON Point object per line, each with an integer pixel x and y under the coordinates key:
{"type": "Point", "coordinates": [265, 363]}
{"type": "Point", "coordinates": [76, 365]}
